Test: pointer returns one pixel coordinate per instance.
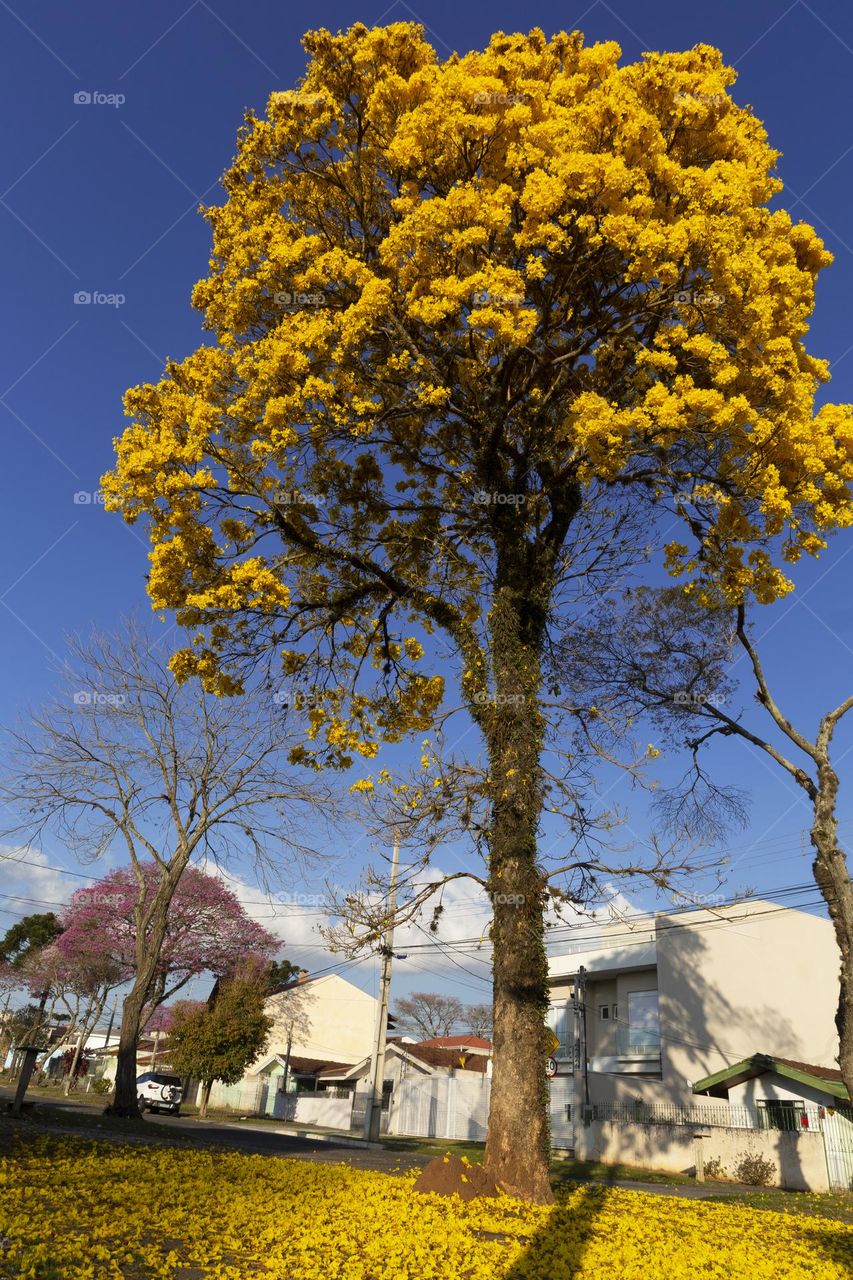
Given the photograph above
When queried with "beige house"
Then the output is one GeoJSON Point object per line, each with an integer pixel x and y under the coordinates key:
{"type": "Point", "coordinates": [644, 1011]}
{"type": "Point", "coordinates": [324, 1018]}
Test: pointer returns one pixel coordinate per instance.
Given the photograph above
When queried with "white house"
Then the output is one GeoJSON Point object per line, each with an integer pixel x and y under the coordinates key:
{"type": "Point", "coordinates": [643, 1011]}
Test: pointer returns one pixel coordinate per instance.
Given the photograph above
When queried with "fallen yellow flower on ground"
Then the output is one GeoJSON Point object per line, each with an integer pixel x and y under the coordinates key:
{"type": "Point", "coordinates": [72, 1209]}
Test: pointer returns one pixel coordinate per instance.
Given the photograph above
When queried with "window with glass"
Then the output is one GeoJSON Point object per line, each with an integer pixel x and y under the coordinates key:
{"type": "Point", "coordinates": [643, 1030]}
{"type": "Point", "coordinates": [561, 1023]}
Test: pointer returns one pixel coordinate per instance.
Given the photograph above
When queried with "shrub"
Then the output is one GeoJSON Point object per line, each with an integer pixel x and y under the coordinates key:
{"type": "Point", "coordinates": [755, 1170]}
{"type": "Point", "coordinates": [102, 1086]}
{"type": "Point", "coordinates": [714, 1170]}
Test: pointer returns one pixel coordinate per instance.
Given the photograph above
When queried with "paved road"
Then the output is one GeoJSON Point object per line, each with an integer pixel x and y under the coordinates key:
{"type": "Point", "coordinates": [264, 1140]}
{"type": "Point", "coordinates": [260, 1139]}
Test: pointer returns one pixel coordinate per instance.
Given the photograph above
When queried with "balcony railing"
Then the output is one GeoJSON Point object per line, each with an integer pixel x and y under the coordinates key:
{"type": "Point", "coordinates": [637, 1042]}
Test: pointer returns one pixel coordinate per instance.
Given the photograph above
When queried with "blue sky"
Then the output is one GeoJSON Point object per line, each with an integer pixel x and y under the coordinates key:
{"type": "Point", "coordinates": [100, 197]}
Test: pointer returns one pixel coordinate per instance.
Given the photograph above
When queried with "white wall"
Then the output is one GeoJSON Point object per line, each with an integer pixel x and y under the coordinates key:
{"type": "Point", "coordinates": [798, 1159]}
{"type": "Point", "coordinates": [442, 1107]}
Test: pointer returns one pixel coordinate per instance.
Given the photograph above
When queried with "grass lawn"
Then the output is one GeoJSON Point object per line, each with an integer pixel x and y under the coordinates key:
{"type": "Point", "coordinates": [562, 1171]}
{"type": "Point", "coordinates": [74, 1209]}
{"type": "Point", "coordinates": [837, 1206]}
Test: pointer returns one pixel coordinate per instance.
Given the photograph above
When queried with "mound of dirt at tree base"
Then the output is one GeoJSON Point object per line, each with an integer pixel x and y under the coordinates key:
{"type": "Point", "coordinates": [449, 1175]}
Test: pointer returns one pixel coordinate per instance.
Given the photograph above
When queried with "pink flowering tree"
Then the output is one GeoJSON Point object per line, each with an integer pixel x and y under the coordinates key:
{"type": "Point", "coordinates": [207, 930]}
{"type": "Point", "coordinates": [78, 986]}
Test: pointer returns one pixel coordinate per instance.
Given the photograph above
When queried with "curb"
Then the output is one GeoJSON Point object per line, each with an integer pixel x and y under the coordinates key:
{"type": "Point", "coordinates": [333, 1138]}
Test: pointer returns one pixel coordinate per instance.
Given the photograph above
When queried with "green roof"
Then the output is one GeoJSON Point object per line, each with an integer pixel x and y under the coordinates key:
{"type": "Point", "coordinates": [826, 1079]}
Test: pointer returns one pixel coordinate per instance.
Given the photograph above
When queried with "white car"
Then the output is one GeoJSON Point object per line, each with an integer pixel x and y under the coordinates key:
{"type": "Point", "coordinates": [158, 1091]}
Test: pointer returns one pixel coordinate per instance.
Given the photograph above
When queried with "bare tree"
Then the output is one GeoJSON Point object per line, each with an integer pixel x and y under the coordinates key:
{"type": "Point", "coordinates": [667, 657]}
{"type": "Point", "coordinates": [477, 1018]}
{"type": "Point", "coordinates": [126, 759]}
{"type": "Point", "coordinates": [429, 1013]}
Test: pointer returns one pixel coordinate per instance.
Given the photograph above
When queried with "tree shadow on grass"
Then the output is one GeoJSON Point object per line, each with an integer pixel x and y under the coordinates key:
{"type": "Point", "coordinates": [557, 1249]}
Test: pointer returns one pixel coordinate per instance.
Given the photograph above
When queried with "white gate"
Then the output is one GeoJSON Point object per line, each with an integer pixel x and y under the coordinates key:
{"type": "Point", "coordinates": [837, 1129]}
{"type": "Point", "coordinates": [562, 1112]}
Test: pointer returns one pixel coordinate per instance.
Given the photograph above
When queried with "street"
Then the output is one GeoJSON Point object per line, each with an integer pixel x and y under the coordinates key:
{"type": "Point", "coordinates": [251, 1138]}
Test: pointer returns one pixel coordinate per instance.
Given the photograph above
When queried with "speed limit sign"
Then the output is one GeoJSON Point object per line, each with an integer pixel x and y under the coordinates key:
{"type": "Point", "coordinates": [550, 1067]}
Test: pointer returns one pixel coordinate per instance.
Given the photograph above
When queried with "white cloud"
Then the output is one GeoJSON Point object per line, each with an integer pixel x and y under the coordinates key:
{"type": "Point", "coordinates": [32, 886]}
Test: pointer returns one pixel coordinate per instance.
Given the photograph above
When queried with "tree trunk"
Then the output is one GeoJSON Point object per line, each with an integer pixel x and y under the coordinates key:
{"type": "Point", "coordinates": [151, 920]}
{"type": "Point", "coordinates": [206, 1086]}
{"type": "Point", "coordinates": [124, 1099]}
{"type": "Point", "coordinates": [833, 879]}
{"type": "Point", "coordinates": [518, 1143]}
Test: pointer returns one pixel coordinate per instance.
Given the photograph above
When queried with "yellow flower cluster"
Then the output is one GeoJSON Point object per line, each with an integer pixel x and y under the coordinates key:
{"type": "Point", "coordinates": [88, 1211]}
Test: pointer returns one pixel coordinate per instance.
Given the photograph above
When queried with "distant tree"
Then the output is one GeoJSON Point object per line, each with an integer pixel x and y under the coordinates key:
{"type": "Point", "coordinates": [219, 1040]}
{"type": "Point", "coordinates": [124, 758]}
{"type": "Point", "coordinates": [18, 946]}
{"type": "Point", "coordinates": [78, 983]}
{"type": "Point", "coordinates": [281, 973]}
{"type": "Point", "coordinates": [28, 936]}
{"type": "Point", "coordinates": [663, 655]}
{"type": "Point", "coordinates": [477, 1018]}
{"type": "Point", "coordinates": [429, 1013]}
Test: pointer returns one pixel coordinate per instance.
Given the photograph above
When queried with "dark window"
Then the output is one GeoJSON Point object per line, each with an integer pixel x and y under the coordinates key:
{"type": "Point", "coordinates": [160, 1078]}
{"type": "Point", "coordinates": [787, 1115]}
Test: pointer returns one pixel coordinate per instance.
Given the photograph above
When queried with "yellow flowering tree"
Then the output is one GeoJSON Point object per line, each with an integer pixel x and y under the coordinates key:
{"type": "Point", "coordinates": [451, 301]}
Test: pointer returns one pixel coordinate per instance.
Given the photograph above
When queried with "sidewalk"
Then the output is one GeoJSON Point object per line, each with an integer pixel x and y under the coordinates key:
{"type": "Point", "coordinates": [314, 1132]}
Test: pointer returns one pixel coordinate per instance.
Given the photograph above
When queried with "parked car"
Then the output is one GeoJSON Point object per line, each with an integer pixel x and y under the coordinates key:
{"type": "Point", "coordinates": [159, 1091]}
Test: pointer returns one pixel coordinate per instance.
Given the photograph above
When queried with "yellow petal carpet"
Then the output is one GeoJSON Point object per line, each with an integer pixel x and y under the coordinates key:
{"type": "Point", "coordinates": [72, 1209]}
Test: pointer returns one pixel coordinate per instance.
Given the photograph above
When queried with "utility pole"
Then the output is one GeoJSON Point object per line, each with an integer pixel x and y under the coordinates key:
{"type": "Point", "coordinates": [108, 1036]}
{"type": "Point", "coordinates": [373, 1114]}
{"type": "Point", "coordinates": [287, 1057]}
{"type": "Point", "coordinates": [584, 1055]}
{"type": "Point", "coordinates": [31, 1052]}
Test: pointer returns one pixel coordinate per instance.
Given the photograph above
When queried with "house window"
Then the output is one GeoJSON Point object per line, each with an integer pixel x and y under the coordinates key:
{"type": "Point", "coordinates": [787, 1115]}
{"type": "Point", "coordinates": [604, 1012]}
{"type": "Point", "coordinates": [643, 1021]}
{"type": "Point", "coordinates": [559, 1020]}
